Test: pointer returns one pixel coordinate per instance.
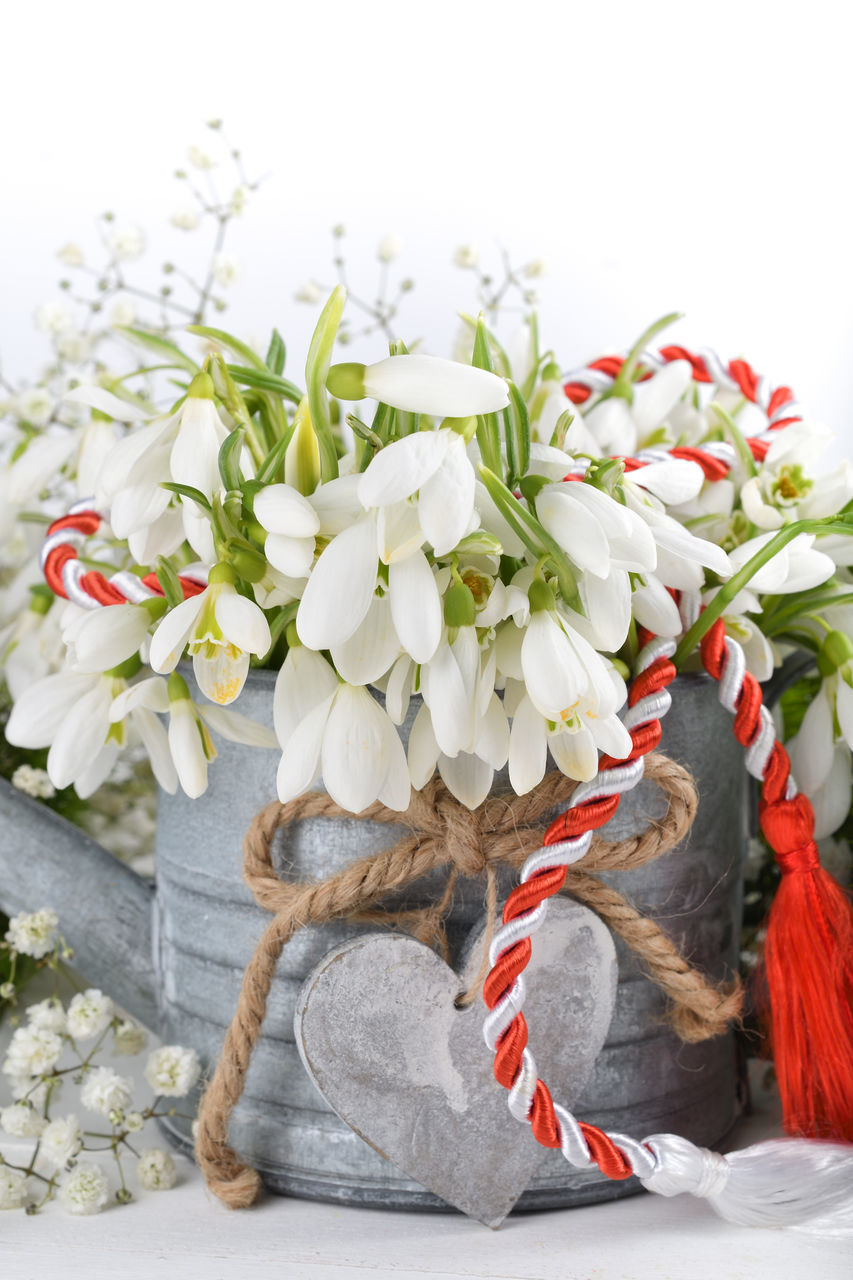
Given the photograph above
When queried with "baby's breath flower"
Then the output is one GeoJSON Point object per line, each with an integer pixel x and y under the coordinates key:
{"type": "Point", "coordinates": [172, 1070]}
{"type": "Point", "coordinates": [33, 933]}
{"type": "Point", "coordinates": [60, 1141]}
{"type": "Point", "coordinates": [389, 248]}
{"type": "Point", "coordinates": [134, 1121]}
{"type": "Point", "coordinates": [35, 406]}
{"type": "Point", "coordinates": [73, 346]}
{"type": "Point", "coordinates": [200, 159]}
{"type": "Point", "coordinates": [105, 1091]}
{"type": "Point", "coordinates": [239, 199]}
{"type": "Point", "coordinates": [7, 990]}
{"type": "Point", "coordinates": [47, 1015]}
{"type": "Point", "coordinates": [308, 292]}
{"type": "Point", "coordinates": [129, 1039]}
{"type": "Point", "coordinates": [24, 1089]}
{"type": "Point", "coordinates": [156, 1170]}
{"type": "Point", "coordinates": [33, 782]}
{"type": "Point", "coordinates": [21, 1121]}
{"type": "Point", "coordinates": [71, 254]}
{"type": "Point", "coordinates": [226, 269]}
{"type": "Point", "coordinates": [84, 1189]}
{"type": "Point", "coordinates": [89, 1014]}
{"type": "Point", "coordinates": [32, 1052]}
{"type": "Point", "coordinates": [54, 316]}
{"type": "Point", "coordinates": [126, 242]}
{"type": "Point", "coordinates": [13, 1188]}
{"type": "Point", "coordinates": [186, 218]}
{"type": "Point", "coordinates": [535, 268]}
{"type": "Point", "coordinates": [123, 311]}
{"type": "Point", "coordinates": [466, 256]}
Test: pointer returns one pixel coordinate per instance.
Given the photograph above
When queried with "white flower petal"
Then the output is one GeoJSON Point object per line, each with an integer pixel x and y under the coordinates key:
{"type": "Point", "coordinates": [242, 621]}
{"type": "Point", "coordinates": [811, 750]}
{"type": "Point", "coordinates": [396, 790]}
{"type": "Point", "coordinates": [81, 735]}
{"type": "Point", "coordinates": [466, 777]}
{"type": "Point", "coordinates": [282, 509]}
{"type": "Point", "coordinates": [185, 744]}
{"type": "Point", "coordinates": [304, 681]}
{"type": "Point", "coordinates": [429, 384]}
{"type": "Point", "coordinates": [291, 556]}
{"type": "Point", "coordinates": [299, 767]}
{"type": "Point", "coordinates": [108, 637]}
{"type": "Point", "coordinates": [42, 707]}
{"type": "Point", "coordinates": [221, 673]}
{"type": "Point", "coordinates": [340, 587]}
{"type": "Point", "coordinates": [105, 402]}
{"type": "Point", "coordinates": [156, 743]}
{"type": "Point", "coordinates": [194, 459]}
{"type": "Point", "coordinates": [757, 510]}
{"type": "Point", "coordinates": [654, 398]}
{"type": "Point", "coordinates": [613, 427]}
{"type": "Point", "coordinates": [170, 638]}
{"type": "Point", "coordinates": [151, 693]}
{"type": "Point", "coordinates": [492, 741]}
{"type": "Point", "coordinates": [675, 481]}
{"type": "Point", "coordinates": [575, 754]}
{"type": "Point", "coordinates": [844, 709]}
{"type": "Point", "coordinates": [528, 748]}
{"type": "Point", "coordinates": [446, 501]}
{"type": "Point", "coordinates": [423, 749]}
{"type": "Point", "coordinates": [235, 727]}
{"type": "Point", "coordinates": [371, 649]}
{"type": "Point", "coordinates": [574, 527]}
{"type": "Point", "coordinates": [831, 801]}
{"type": "Point", "coordinates": [399, 470]}
{"type": "Point", "coordinates": [553, 674]}
{"type": "Point", "coordinates": [398, 688]}
{"type": "Point", "coordinates": [354, 758]}
{"type": "Point", "coordinates": [415, 606]}
{"type": "Point", "coordinates": [95, 774]}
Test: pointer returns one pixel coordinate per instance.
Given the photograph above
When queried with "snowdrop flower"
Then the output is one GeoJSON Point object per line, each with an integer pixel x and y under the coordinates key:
{"type": "Point", "coordinates": [186, 218]}
{"type": "Point", "coordinates": [126, 243]}
{"type": "Point", "coordinates": [13, 1188]}
{"type": "Point", "coordinates": [221, 628]}
{"type": "Point", "coordinates": [73, 346]}
{"type": "Point", "coordinates": [33, 933]}
{"type": "Point", "coordinates": [389, 248]}
{"type": "Point", "coordinates": [156, 1170]}
{"type": "Point", "coordinates": [129, 1039]}
{"type": "Point", "coordinates": [574, 743]}
{"type": "Point", "coordinates": [32, 1052]}
{"type": "Point", "coordinates": [189, 738]}
{"type": "Point", "coordinates": [797, 567]}
{"type": "Point", "coordinates": [227, 269]}
{"type": "Point", "coordinates": [84, 1190]}
{"type": "Point", "coordinates": [619, 424]}
{"type": "Point", "coordinates": [89, 1013]}
{"type": "Point", "coordinates": [339, 731]}
{"type": "Point", "coordinates": [22, 1121]}
{"type": "Point", "coordinates": [820, 751]}
{"type": "Point", "coordinates": [172, 1070]}
{"type": "Point", "coordinates": [291, 523]}
{"type": "Point", "coordinates": [681, 556]}
{"type": "Point", "coordinates": [99, 639]}
{"type": "Point", "coordinates": [35, 406]}
{"type": "Point", "coordinates": [654, 608]}
{"type": "Point", "coordinates": [421, 384]}
{"type": "Point", "coordinates": [105, 1091]}
{"type": "Point", "coordinates": [786, 489]}
{"type": "Point", "coordinates": [61, 1140]}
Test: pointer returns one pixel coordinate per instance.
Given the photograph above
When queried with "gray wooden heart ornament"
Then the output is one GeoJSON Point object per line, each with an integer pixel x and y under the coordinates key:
{"type": "Point", "coordinates": [380, 1036]}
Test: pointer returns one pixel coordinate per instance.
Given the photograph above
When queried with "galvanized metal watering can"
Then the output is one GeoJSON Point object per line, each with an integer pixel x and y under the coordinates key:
{"type": "Point", "coordinates": [173, 953]}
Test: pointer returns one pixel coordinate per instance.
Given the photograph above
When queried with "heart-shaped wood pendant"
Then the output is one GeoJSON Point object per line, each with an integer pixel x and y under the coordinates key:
{"type": "Point", "coordinates": [381, 1037]}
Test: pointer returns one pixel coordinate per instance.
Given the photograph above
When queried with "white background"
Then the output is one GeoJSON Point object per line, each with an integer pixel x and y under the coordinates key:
{"type": "Point", "coordinates": [660, 157]}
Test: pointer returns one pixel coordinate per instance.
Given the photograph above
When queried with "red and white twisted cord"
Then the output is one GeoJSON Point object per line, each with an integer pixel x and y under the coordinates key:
{"type": "Point", "coordinates": [68, 578]}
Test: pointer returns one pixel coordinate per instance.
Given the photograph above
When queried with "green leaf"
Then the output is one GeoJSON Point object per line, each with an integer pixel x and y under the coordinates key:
{"type": "Point", "coordinates": [263, 380]}
{"type": "Point", "coordinates": [187, 491]}
{"type": "Point", "coordinates": [156, 342]}
{"type": "Point", "coordinates": [276, 352]}
{"type": "Point", "coordinates": [230, 343]}
{"type": "Point", "coordinates": [517, 425]}
{"type": "Point", "coordinates": [488, 430]}
{"type": "Point", "coordinates": [274, 459]}
{"type": "Point", "coordinates": [742, 449]}
{"type": "Point", "coordinates": [316, 373]}
{"type": "Point", "coordinates": [169, 583]}
{"type": "Point", "coordinates": [536, 538]}
{"type": "Point", "coordinates": [229, 459]}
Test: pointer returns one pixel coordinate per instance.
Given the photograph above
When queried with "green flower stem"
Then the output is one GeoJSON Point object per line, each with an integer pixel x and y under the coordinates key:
{"type": "Point", "coordinates": [781, 618]}
{"type": "Point", "coordinates": [742, 578]}
{"type": "Point", "coordinates": [623, 383]}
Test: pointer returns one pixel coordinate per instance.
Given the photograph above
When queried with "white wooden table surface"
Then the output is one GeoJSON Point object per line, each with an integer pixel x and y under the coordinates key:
{"type": "Point", "coordinates": [187, 1234]}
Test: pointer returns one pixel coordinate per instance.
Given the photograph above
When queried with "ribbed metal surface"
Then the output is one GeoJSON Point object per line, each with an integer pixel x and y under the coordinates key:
{"type": "Point", "coordinates": [645, 1080]}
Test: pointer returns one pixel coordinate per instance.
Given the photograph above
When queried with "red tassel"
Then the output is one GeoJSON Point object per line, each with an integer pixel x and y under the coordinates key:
{"type": "Point", "coordinates": [808, 960]}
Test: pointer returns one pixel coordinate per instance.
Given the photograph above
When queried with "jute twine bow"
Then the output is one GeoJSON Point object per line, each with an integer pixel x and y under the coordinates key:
{"type": "Point", "coordinates": [504, 831]}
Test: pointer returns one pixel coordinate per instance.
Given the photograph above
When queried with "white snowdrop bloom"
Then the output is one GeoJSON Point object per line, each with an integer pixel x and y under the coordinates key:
{"type": "Point", "coordinates": [89, 1013]}
{"type": "Point", "coordinates": [389, 248]}
{"type": "Point", "coordinates": [32, 1052]}
{"type": "Point", "coordinates": [53, 317]}
{"type": "Point", "coordinates": [468, 775]}
{"type": "Point", "coordinates": [123, 312]}
{"type": "Point", "coordinates": [186, 218]}
{"type": "Point", "coordinates": [73, 346]}
{"type": "Point", "coordinates": [126, 242]}
{"type": "Point", "coordinates": [104, 1090]}
{"type": "Point", "coordinates": [227, 269]}
{"type": "Point", "coordinates": [343, 735]}
{"type": "Point", "coordinates": [35, 405]}
{"type": "Point", "coordinates": [574, 744]}
{"type": "Point", "coordinates": [466, 257]}
{"type": "Point", "coordinates": [680, 555]}
{"type": "Point", "coordinates": [618, 426]}
{"type": "Point", "coordinates": [156, 1170]}
{"type": "Point", "coordinates": [435, 466]}
{"type": "Point", "coordinates": [47, 1015]}
{"type": "Point", "coordinates": [44, 458]}
{"type": "Point", "coordinates": [33, 933]}
{"type": "Point", "coordinates": [291, 524]}
{"type": "Point", "coordinates": [222, 629]}
{"type": "Point", "coordinates": [171, 1070]}
{"type": "Point", "coordinates": [189, 737]}
{"type": "Point", "coordinates": [421, 384]}
{"type": "Point", "coordinates": [13, 1188]}
{"type": "Point", "coordinates": [69, 712]}
{"type": "Point", "coordinates": [820, 751]}
{"type": "Point", "coordinates": [129, 1039]}
{"type": "Point", "coordinates": [654, 608]}
{"type": "Point", "coordinates": [61, 1140]}
{"type": "Point", "coordinates": [760, 657]}
{"type": "Point", "coordinates": [831, 800]}
{"type": "Point", "coordinates": [100, 639]}
{"type": "Point", "coordinates": [309, 292]}
{"type": "Point", "coordinates": [71, 255]}
{"type": "Point", "coordinates": [200, 158]}
{"type": "Point", "coordinates": [786, 487]}
{"type": "Point", "coordinates": [84, 1190]}
{"type": "Point", "coordinates": [797, 567]}
{"type": "Point", "coordinates": [22, 1121]}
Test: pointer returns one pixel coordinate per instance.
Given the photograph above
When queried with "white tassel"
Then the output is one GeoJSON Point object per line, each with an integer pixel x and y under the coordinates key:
{"type": "Point", "coordinates": [801, 1183]}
